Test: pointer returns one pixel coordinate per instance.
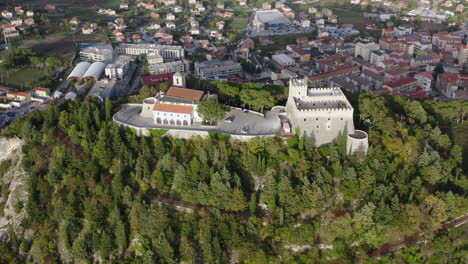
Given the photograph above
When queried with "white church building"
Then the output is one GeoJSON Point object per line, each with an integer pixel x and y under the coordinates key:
{"type": "Point", "coordinates": [323, 114]}
{"type": "Point", "coordinates": [178, 106]}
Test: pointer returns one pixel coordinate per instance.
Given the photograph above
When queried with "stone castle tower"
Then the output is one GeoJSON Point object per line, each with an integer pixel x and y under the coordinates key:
{"type": "Point", "coordinates": [322, 114]}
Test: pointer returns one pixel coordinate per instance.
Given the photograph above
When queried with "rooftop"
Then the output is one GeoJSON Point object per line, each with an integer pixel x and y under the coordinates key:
{"type": "Point", "coordinates": [185, 93]}
{"type": "Point", "coordinates": [172, 108]}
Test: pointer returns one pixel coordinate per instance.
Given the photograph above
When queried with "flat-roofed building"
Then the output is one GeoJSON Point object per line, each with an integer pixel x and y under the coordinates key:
{"type": "Point", "coordinates": [165, 51]}
{"type": "Point", "coordinates": [101, 52]}
{"type": "Point", "coordinates": [214, 68]}
{"type": "Point", "coordinates": [282, 61]}
{"type": "Point", "coordinates": [265, 19]}
{"type": "Point", "coordinates": [169, 67]}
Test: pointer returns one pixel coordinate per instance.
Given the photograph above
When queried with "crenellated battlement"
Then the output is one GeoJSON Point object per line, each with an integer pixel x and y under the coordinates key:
{"type": "Point", "coordinates": [322, 110]}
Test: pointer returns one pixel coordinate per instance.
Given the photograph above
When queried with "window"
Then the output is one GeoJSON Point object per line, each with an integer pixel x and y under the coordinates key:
{"type": "Point", "coordinates": [328, 119]}
{"type": "Point", "coordinates": [341, 118]}
{"type": "Point", "coordinates": [316, 119]}
{"type": "Point", "coordinates": [317, 126]}
{"type": "Point", "coordinates": [305, 119]}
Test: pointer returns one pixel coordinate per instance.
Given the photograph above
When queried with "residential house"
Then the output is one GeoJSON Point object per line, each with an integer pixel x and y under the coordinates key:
{"type": "Point", "coordinates": [425, 80]}
{"type": "Point", "coordinates": [447, 84]}
{"type": "Point", "coordinates": [7, 14]}
{"type": "Point", "coordinates": [404, 86]}
{"type": "Point", "coordinates": [364, 49]}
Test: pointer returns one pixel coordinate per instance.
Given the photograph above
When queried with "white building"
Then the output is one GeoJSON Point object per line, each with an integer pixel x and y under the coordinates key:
{"type": "Point", "coordinates": [177, 107]}
{"type": "Point", "coordinates": [7, 14]}
{"type": "Point", "coordinates": [165, 51]}
{"type": "Point", "coordinates": [265, 19]}
{"type": "Point", "coordinates": [118, 68]}
{"type": "Point", "coordinates": [169, 67]}
{"type": "Point", "coordinates": [214, 68]}
{"type": "Point", "coordinates": [100, 52]}
{"type": "Point", "coordinates": [282, 61]}
{"type": "Point", "coordinates": [323, 114]}
{"type": "Point", "coordinates": [170, 25]}
{"type": "Point", "coordinates": [364, 49]}
{"type": "Point", "coordinates": [403, 31]}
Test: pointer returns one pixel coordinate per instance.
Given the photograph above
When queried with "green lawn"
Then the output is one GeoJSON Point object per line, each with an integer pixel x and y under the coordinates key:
{"type": "Point", "coordinates": [19, 78]}
{"type": "Point", "coordinates": [346, 16]}
{"type": "Point", "coordinates": [114, 4]}
{"type": "Point", "coordinates": [237, 24]}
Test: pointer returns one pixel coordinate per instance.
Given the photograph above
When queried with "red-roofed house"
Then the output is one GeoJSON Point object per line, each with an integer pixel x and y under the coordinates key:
{"type": "Point", "coordinates": [447, 84]}
{"type": "Point", "coordinates": [403, 86]}
{"type": "Point", "coordinates": [425, 80]}
{"type": "Point", "coordinates": [41, 91]}
{"type": "Point", "coordinates": [9, 28]}
{"type": "Point", "coordinates": [7, 14]}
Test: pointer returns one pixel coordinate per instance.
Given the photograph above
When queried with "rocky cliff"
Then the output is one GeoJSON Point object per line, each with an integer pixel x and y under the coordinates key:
{"type": "Point", "coordinates": [13, 186]}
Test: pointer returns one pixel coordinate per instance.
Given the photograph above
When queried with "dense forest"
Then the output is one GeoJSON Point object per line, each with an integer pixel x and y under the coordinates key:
{"type": "Point", "coordinates": [268, 200]}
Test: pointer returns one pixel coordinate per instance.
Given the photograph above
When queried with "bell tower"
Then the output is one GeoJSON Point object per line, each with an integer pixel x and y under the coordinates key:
{"type": "Point", "coordinates": [178, 79]}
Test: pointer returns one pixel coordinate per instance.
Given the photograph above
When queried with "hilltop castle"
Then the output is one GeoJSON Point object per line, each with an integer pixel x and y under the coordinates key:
{"type": "Point", "coordinates": [322, 114]}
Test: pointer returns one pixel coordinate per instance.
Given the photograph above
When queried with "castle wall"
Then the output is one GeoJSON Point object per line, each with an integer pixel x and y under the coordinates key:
{"type": "Point", "coordinates": [322, 125]}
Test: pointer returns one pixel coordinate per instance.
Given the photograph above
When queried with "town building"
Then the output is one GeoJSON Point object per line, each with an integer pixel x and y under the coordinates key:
{"type": "Point", "coordinates": [266, 19]}
{"type": "Point", "coordinates": [169, 67]}
{"type": "Point", "coordinates": [282, 61]}
{"type": "Point", "coordinates": [118, 68]}
{"type": "Point", "coordinates": [323, 115]}
{"type": "Point", "coordinates": [463, 55]}
{"type": "Point", "coordinates": [100, 52]}
{"type": "Point", "coordinates": [216, 69]}
{"type": "Point", "coordinates": [41, 91]}
{"type": "Point", "coordinates": [425, 81]}
{"type": "Point", "coordinates": [177, 107]}
{"type": "Point", "coordinates": [447, 84]}
{"type": "Point", "coordinates": [403, 86]}
{"type": "Point", "coordinates": [364, 49]}
{"type": "Point", "coordinates": [166, 51]}
{"type": "Point", "coordinates": [323, 79]}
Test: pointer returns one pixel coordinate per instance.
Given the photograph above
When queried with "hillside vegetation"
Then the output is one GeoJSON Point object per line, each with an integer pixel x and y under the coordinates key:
{"type": "Point", "coordinates": [96, 191]}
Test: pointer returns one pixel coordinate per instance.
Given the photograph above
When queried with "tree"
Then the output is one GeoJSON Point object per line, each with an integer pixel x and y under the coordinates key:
{"type": "Point", "coordinates": [211, 110]}
{"type": "Point", "coordinates": [439, 69]}
{"type": "Point", "coordinates": [257, 99]}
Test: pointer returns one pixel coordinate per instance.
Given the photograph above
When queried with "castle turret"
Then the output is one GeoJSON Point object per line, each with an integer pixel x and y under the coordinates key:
{"type": "Point", "coordinates": [297, 88]}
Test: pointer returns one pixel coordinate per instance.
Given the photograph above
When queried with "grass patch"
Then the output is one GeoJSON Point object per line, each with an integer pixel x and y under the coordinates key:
{"type": "Point", "coordinates": [113, 4]}
{"type": "Point", "coordinates": [157, 132]}
{"type": "Point", "coordinates": [85, 14]}
{"type": "Point", "coordinates": [19, 78]}
{"type": "Point", "coordinates": [346, 16]}
{"type": "Point", "coordinates": [237, 24]}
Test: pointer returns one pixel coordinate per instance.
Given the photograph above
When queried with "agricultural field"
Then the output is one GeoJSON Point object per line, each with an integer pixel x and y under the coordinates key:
{"type": "Point", "coordinates": [19, 78]}
{"type": "Point", "coordinates": [237, 24]}
{"type": "Point", "coordinates": [60, 44]}
{"type": "Point", "coordinates": [346, 16]}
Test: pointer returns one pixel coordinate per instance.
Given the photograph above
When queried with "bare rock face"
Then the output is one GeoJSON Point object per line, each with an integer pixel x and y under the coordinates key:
{"type": "Point", "coordinates": [13, 186]}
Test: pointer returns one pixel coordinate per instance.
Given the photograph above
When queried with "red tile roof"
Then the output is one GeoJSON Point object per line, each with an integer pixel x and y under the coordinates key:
{"type": "Point", "coordinates": [41, 89]}
{"type": "Point", "coordinates": [172, 108]}
{"type": "Point", "coordinates": [185, 93]}
{"type": "Point", "coordinates": [402, 82]}
{"type": "Point", "coordinates": [156, 79]}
